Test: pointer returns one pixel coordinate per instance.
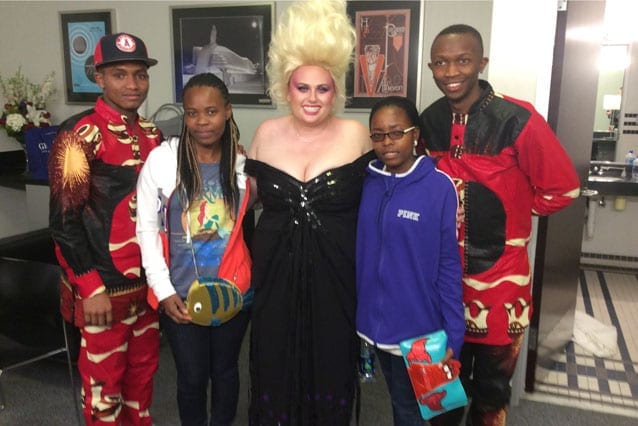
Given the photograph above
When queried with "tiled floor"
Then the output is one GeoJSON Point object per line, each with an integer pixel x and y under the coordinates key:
{"type": "Point", "coordinates": [601, 383]}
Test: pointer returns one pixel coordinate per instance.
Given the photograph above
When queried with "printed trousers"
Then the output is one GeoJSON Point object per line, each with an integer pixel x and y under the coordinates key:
{"type": "Point", "coordinates": [117, 365]}
{"type": "Point", "coordinates": [486, 371]}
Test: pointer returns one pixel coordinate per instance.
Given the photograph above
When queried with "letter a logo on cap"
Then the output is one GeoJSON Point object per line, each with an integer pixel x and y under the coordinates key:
{"type": "Point", "coordinates": [125, 43]}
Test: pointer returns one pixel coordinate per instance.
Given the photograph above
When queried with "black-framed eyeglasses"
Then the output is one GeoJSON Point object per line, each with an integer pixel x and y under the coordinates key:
{"type": "Point", "coordinates": [395, 135]}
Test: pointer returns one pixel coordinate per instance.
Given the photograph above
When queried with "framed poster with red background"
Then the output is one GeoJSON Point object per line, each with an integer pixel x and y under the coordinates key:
{"type": "Point", "coordinates": [386, 53]}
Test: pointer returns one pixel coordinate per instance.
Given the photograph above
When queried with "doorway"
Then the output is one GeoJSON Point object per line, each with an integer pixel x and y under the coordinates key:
{"type": "Point", "coordinates": [560, 285]}
{"type": "Point", "coordinates": [571, 115]}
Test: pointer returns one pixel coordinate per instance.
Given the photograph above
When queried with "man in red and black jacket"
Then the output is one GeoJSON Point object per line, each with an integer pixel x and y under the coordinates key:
{"type": "Point", "coordinates": [507, 165]}
{"type": "Point", "coordinates": [93, 168]}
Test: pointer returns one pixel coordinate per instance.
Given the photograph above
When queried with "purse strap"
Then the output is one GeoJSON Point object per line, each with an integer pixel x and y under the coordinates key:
{"type": "Point", "coordinates": [190, 242]}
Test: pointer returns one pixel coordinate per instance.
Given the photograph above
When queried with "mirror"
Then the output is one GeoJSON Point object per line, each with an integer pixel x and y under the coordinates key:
{"type": "Point", "coordinates": [612, 64]}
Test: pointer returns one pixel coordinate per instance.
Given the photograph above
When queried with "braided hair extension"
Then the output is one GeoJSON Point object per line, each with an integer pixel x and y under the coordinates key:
{"type": "Point", "coordinates": [189, 180]}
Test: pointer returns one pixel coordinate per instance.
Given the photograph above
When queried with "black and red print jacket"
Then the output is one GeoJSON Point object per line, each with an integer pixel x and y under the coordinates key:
{"type": "Point", "coordinates": [93, 168]}
{"type": "Point", "coordinates": [507, 165]}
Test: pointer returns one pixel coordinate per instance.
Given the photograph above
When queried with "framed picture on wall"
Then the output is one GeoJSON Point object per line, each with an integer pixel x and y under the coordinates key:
{"type": "Point", "coordinates": [228, 41]}
{"type": "Point", "coordinates": [386, 54]}
{"type": "Point", "coordinates": [80, 34]}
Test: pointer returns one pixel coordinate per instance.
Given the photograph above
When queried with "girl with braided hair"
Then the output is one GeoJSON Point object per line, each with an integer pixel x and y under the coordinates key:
{"type": "Point", "coordinates": [198, 183]}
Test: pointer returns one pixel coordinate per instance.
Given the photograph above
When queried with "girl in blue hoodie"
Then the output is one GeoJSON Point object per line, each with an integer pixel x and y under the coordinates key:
{"type": "Point", "coordinates": [408, 265]}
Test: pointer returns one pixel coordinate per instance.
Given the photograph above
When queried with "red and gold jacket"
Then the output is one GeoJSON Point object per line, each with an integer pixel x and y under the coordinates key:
{"type": "Point", "coordinates": [507, 165]}
{"type": "Point", "coordinates": [93, 168]}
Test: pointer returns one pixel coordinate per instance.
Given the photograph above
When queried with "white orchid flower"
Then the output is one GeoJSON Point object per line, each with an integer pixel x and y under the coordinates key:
{"type": "Point", "coordinates": [36, 116]}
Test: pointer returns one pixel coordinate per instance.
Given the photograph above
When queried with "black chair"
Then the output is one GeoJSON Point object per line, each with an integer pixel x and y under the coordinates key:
{"type": "Point", "coordinates": [34, 245]}
{"type": "Point", "coordinates": [30, 305]}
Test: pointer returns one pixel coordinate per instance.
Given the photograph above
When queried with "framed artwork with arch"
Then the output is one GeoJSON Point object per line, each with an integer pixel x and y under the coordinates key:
{"type": "Point", "coordinates": [230, 41]}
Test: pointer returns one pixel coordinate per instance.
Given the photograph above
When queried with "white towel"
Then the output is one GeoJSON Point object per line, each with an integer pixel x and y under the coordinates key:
{"type": "Point", "coordinates": [594, 336]}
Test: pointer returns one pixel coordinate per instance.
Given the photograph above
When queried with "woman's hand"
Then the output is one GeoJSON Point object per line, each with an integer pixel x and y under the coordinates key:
{"type": "Point", "coordinates": [448, 355]}
{"type": "Point", "coordinates": [450, 366]}
{"type": "Point", "coordinates": [176, 309]}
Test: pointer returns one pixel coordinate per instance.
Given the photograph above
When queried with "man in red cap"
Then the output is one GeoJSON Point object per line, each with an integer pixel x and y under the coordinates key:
{"type": "Point", "coordinates": [93, 169]}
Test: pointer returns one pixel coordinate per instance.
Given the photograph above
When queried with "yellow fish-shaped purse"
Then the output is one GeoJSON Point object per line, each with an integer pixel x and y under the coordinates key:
{"type": "Point", "coordinates": [213, 301]}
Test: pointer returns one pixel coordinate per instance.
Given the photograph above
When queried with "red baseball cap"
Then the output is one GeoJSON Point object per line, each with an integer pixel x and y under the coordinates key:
{"type": "Point", "coordinates": [121, 47]}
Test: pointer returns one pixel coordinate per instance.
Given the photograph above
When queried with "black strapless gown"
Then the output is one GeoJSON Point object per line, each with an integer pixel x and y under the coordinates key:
{"type": "Point", "coordinates": [304, 348]}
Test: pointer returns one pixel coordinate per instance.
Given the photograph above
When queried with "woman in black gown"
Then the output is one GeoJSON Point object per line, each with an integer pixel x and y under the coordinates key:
{"type": "Point", "coordinates": [309, 167]}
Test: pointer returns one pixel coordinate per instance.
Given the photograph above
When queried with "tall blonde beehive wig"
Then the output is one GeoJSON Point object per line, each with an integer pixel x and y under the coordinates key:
{"type": "Point", "coordinates": [311, 32]}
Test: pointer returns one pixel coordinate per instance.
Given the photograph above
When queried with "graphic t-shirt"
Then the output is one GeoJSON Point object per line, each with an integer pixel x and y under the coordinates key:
{"type": "Point", "coordinates": [209, 225]}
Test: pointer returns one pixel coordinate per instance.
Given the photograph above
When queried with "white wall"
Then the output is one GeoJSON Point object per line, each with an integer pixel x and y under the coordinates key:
{"type": "Point", "coordinates": [30, 36]}
{"type": "Point", "coordinates": [614, 232]}
{"type": "Point", "coordinates": [521, 54]}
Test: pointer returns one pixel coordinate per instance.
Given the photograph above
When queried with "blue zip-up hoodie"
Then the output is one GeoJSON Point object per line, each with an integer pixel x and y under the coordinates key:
{"type": "Point", "coordinates": [408, 264]}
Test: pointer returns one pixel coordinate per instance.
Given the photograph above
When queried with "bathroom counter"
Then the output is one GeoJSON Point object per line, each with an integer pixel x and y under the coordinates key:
{"type": "Point", "coordinates": [612, 186]}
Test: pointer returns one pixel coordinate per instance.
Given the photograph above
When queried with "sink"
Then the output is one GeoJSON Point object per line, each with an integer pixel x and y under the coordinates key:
{"type": "Point", "coordinates": [611, 178]}
{"type": "Point", "coordinates": [606, 171]}
{"type": "Point", "coordinates": [612, 185]}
